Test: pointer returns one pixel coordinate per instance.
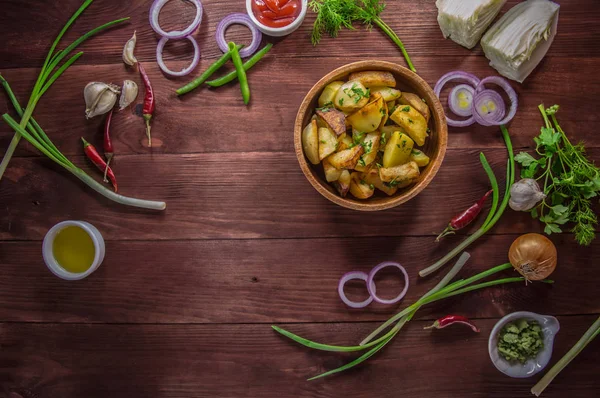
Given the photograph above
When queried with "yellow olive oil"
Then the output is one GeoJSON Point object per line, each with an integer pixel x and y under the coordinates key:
{"type": "Point", "coordinates": [74, 249]}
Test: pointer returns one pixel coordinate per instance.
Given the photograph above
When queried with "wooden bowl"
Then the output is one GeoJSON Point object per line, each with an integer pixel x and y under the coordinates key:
{"type": "Point", "coordinates": [435, 146]}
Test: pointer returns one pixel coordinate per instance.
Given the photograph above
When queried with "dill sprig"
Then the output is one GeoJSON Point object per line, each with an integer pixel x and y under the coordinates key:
{"type": "Point", "coordinates": [333, 15]}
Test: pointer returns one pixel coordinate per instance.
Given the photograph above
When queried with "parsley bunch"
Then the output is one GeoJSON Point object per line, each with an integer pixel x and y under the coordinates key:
{"type": "Point", "coordinates": [570, 179]}
{"type": "Point", "coordinates": [333, 15]}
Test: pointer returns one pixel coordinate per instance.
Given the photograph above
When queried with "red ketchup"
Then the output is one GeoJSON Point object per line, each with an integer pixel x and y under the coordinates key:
{"type": "Point", "coordinates": [276, 13]}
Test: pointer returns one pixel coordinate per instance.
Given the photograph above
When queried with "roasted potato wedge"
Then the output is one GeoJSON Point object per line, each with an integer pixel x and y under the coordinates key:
{"type": "Point", "coordinates": [343, 183]}
{"type": "Point", "coordinates": [397, 149]}
{"type": "Point", "coordinates": [331, 173]}
{"type": "Point", "coordinates": [334, 119]}
{"type": "Point", "coordinates": [400, 176]}
{"type": "Point", "coordinates": [369, 117]}
{"type": "Point", "coordinates": [412, 122]}
{"type": "Point", "coordinates": [371, 147]}
{"type": "Point", "coordinates": [327, 142]}
{"type": "Point", "coordinates": [359, 188]}
{"type": "Point", "coordinates": [329, 92]}
{"type": "Point", "coordinates": [351, 96]}
{"type": "Point", "coordinates": [416, 102]}
{"type": "Point", "coordinates": [310, 142]}
{"type": "Point", "coordinates": [419, 158]}
{"type": "Point", "coordinates": [371, 177]}
{"type": "Point", "coordinates": [344, 142]}
{"type": "Point", "coordinates": [389, 94]}
{"type": "Point", "coordinates": [347, 158]}
{"type": "Point", "coordinates": [374, 78]}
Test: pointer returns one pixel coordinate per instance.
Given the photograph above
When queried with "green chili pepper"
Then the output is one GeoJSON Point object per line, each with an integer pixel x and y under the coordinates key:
{"type": "Point", "coordinates": [241, 73]}
{"type": "Point", "coordinates": [221, 81]}
{"type": "Point", "coordinates": [208, 73]}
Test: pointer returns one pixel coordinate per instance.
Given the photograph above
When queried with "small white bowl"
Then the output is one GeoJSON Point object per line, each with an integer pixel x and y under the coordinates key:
{"type": "Point", "coordinates": [278, 32]}
{"type": "Point", "coordinates": [51, 262]}
{"type": "Point", "coordinates": [550, 328]}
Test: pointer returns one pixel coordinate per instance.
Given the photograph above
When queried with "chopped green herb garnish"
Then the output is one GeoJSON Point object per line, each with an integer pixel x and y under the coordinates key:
{"type": "Point", "coordinates": [411, 121]}
{"type": "Point", "coordinates": [372, 186]}
{"type": "Point", "coordinates": [415, 152]}
{"type": "Point", "coordinates": [406, 109]}
{"type": "Point", "coordinates": [361, 162]}
{"type": "Point", "coordinates": [341, 102]}
{"type": "Point", "coordinates": [323, 142]}
{"type": "Point", "coordinates": [327, 106]}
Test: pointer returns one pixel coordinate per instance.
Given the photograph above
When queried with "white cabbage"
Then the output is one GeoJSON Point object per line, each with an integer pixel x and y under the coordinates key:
{"type": "Point", "coordinates": [464, 21]}
{"type": "Point", "coordinates": [516, 44]}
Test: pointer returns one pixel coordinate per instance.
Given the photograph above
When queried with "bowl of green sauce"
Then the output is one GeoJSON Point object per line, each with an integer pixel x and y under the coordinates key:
{"type": "Point", "coordinates": [520, 345]}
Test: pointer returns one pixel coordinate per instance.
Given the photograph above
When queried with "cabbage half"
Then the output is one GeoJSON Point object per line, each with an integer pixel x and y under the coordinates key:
{"type": "Point", "coordinates": [464, 21]}
{"type": "Point", "coordinates": [516, 44]}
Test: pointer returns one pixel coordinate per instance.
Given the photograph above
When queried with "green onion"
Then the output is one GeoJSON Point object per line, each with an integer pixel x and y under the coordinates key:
{"type": "Point", "coordinates": [586, 339]}
{"type": "Point", "coordinates": [31, 130]}
{"type": "Point", "coordinates": [494, 214]}
{"type": "Point", "coordinates": [441, 291]}
{"type": "Point", "coordinates": [44, 80]}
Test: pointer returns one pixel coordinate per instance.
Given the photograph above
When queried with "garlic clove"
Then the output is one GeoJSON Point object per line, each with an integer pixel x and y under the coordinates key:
{"type": "Point", "coordinates": [99, 98]}
{"type": "Point", "coordinates": [525, 195]}
{"type": "Point", "coordinates": [129, 93]}
{"type": "Point", "coordinates": [128, 50]}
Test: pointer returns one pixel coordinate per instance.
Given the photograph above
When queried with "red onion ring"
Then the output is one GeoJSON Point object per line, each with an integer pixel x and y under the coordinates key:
{"type": "Point", "coordinates": [491, 118]}
{"type": "Point", "coordinates": [462, 77]}
{"type": "Point", "coordinates": [454, 101]}
{"type": "Point", "coordinates": [176, 34]}
{"type": "Point", "coordinates": [241, 19]}
{"type": "Point", "coordinates": [354, 275]}
{"type": "Point", "coordinates": [371, 282]}
{"type": "Point", "coordinates": [512, 96]}
{"type": "Point", "coordinates": [183, 72]}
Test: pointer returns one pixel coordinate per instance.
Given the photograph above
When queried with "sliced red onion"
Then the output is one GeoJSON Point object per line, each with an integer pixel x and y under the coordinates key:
{"type": "Point", "coordinates": [371, 282]}
{"type": "Point", "coordinates": [176, 34]}
{"type": "Point", "coordinates": [354, 275]}
{"type": "Point", "coordinates": [241, 19]}
{"type": "Point", "coordinates": [460, 100]}
{"type": "Point", "coordinates": [512, 96]}
{"type": "Point", "coordinates": [183, 72]}
{"type": "Point", "coordinates": [461, 77]}
{"type": "Point", "coordinates": [488, 107]}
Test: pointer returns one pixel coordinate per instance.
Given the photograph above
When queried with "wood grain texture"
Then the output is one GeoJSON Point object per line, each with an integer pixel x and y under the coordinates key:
{"type": "Point", "coordinates": [233, 196]}
{"type": "Point", "coordinates": [285, 280]}
{"type": "Point", "coordinates": [216, 120]}
{"type": "Point", "coordinates": [173, 361]}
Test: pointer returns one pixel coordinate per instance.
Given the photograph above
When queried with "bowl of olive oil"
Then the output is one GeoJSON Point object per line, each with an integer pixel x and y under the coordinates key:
{"type": "Point", "coordinates": [72, 250]}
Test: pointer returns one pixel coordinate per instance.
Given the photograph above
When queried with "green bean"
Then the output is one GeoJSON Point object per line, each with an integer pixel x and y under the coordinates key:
{"type": "Point", "coordinates": [247, 65]}
{"type": "Point", "coordinates": [208, 73]}
{"type": "Point", "coordinates": [241, 73]}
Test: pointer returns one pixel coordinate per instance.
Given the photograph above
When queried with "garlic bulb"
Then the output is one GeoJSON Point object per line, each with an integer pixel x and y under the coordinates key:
{"type": "Point", "coordinates": [129, 93]}
{"type": "Point", "coordinates": [128, 56]}
{"type": "Point", "coordinates": [525, 195]}
{"type": "Point", "coordinates": [99, 98]}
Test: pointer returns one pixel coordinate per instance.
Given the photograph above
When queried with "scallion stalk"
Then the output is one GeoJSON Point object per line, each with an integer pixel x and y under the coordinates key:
{"type": "Point", "coordinates": [494, 214]}
{"type": "Point", "coordinates": [45, 79]}
{"type": "Point", "coordinates": [588, 336]}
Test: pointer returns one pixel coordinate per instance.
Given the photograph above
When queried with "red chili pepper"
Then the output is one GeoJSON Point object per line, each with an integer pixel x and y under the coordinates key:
{"type": "Point", "coordinates": [465, 218]}
{"type": "Point", "coordinates": [108, 146]}
{"type": "Point", "coordinates": [95, 157]}
{"type": "Point", "coordinates": [450, 320]}
{"type": "Point", "coordinates": [148, 109]}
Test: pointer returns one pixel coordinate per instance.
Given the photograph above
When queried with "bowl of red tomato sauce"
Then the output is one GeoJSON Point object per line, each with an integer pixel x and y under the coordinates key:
{"type": "Point", "coordinates": [277, 17]}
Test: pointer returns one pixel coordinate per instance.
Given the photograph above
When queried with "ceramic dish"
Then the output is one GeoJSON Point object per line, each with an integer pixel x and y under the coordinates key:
{"type": "Point", "coordinates": [435, 146]}
{"type": "Point", "coordinates": [550, 328]}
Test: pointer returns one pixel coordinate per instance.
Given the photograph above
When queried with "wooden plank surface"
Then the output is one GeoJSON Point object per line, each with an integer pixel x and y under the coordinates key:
{"type": "Point", "coordinates": [250, 360]}
{"type": "Point", "coordinates": [183, 303]}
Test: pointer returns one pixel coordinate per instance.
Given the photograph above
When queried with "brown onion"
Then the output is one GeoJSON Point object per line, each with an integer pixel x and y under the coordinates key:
{"type": "Point", "coordinates": [533, 256]}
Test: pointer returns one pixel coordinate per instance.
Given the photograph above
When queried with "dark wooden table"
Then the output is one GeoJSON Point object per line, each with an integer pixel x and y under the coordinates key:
{"type": "Point", "coordinates": [183, 303]}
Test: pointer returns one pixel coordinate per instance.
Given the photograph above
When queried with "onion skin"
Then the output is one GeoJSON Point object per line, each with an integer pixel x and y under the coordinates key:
{"type": "Point", "coordinates": [534, 256]}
